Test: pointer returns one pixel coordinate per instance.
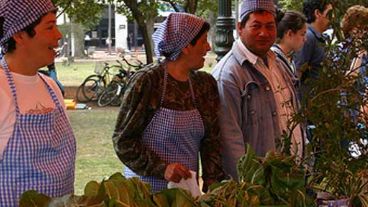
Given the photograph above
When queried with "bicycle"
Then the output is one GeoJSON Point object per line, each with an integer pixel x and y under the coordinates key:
{"type": "Point", "coordinates": [111, 95]}
{"type": "Point", "coordinates": [113, 92]}
{"type": "Point", "coordinates": [94, 85]}
{"type": "Point", "coordinates": [135, 66]}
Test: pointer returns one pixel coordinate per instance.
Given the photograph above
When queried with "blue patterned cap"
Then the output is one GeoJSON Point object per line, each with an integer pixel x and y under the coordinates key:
{"type": "Point", "coordinates": [18, 14]}
{"type": "Point", "coordinates": [175, 33]}
{"type": "Point", "coordinates": [249, 6]}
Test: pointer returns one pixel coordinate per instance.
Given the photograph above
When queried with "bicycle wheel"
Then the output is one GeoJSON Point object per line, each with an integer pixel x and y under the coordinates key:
{"type": "Point", "coordinates": [80, 96]}
{"type": "Point", "coordinates": [93, 87]}
{"type": "Point", "coordinates": [119, 93]}
{"type": "Point", "coordinates": [109, 95]}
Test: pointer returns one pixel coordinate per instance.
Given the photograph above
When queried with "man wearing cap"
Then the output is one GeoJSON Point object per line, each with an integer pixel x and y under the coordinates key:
{"type": "Point", "coordinates": [169, 111]}
{"type": "Point", "coordinates": [257, 95]}
{"type": "Point", "coordinates": [37, 145]}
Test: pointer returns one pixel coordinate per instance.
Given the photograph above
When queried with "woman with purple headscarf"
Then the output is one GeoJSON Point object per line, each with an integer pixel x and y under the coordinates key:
{"type": "Point", "coordinates": [37, 144]}
{"type": "Point", "coordinates": [169, 113]}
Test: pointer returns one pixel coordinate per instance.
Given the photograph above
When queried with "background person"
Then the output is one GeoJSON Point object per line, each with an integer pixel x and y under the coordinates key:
{"type": "Point", "coordinates": [37, 145]}
{"type": "Point", "coordinates": [354, 26]}
{"type": "Point", "coordinates": [318, 13]}
{"type": "Point", "coordinates": [291, 35]}
{"type": "Point", "coordinates": [169, 112]}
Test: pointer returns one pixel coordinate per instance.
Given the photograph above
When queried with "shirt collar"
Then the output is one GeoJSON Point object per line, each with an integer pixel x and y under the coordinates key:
{"type": "Point", "coordinates": [251, 57]}
{"type": "Point", "coordinates": [320, 36]}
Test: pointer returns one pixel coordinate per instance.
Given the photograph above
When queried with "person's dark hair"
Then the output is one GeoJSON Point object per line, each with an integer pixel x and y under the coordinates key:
{"type": "Point", "coordinates": [29, 30]}
{"type": "Point", "coordinates": [205, 28]}
{"type": "Point", "coordinates": [290, 20]}
{"type": "Point", "coordinates": [246, 17]}
{"type": "Point", "coordinates": [309, 6]}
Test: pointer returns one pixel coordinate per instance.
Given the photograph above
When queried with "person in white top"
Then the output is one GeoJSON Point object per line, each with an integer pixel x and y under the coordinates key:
{"type": "Point", "coordinates": [291, 36]}
{"type": "Point", "coordinates": [37, 144]}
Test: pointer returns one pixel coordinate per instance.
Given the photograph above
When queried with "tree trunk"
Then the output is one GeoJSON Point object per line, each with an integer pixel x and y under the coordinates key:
{"type": "Point", "coordinates": [191, 6]}
{"type": "Point", "coordinates": [143, 26]}
{"type": "Point", "coordinates": [147, 42]}
{"type": "Point", "coordinates": [149, 24]}
{"type": "Point", "coordinates": [78, 40]}
{"type": "Point", "coordinates": [147, 39]}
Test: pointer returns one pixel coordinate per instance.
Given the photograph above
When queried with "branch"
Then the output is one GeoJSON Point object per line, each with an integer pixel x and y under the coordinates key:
{"type": "Point", "coordinates": [174, 5]}
{"type": "Point", "coordinates": [326, 91]}
{"type": "Point", "coordinates": [65, 8]}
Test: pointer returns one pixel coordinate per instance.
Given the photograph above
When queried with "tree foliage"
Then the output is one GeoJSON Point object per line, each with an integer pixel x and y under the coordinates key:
{"type": "Point", "coordinates": [85, 12]}
{"type": "Point", "coordinates": [83, 15]}
{"type": "Point", "coordinates": [291, 4]}
{"type": "Point", "coordinates": [144, 12]}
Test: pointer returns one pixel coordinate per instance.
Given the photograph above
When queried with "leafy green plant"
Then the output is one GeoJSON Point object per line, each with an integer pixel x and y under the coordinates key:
{"type": "Point", "coordinates": [117, 191]}
{"type": "Point", "coordinates": [274, 180]}
{"type": "Point", "coordinates": [338, 148]}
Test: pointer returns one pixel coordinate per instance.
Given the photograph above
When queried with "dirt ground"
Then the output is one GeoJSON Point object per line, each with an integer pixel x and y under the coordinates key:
{"type": "Point", "coordinates": [70, 93]}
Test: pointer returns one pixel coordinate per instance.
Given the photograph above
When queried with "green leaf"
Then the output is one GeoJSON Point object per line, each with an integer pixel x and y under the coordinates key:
{"type": "Point", "coordinates": [176, 197]}
{"type": "Point", "coordinates": [32, 198]}
{"type": "Point", "coordinates": [160, 200]}
{"type": "Point", "coordinates": [91, 188]}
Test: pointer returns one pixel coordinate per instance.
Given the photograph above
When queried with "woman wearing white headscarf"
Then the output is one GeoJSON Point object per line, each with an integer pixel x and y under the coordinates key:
{"type": "Point", "coordinates": [169, 111]}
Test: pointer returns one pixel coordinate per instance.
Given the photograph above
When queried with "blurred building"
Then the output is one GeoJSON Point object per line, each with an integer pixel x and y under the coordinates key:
{"type": "Point", "coordinates": [125, 34]}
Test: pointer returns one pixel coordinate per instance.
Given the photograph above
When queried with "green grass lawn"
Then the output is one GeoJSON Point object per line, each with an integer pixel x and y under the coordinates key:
{"type": "Point", "coordinates": [96, 158]}
{"type": "Point", "coordinates": [75, 73]}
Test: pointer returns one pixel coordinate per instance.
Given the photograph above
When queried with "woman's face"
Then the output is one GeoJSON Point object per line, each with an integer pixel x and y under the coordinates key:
{"type": "Point", "coordinates": [297, 39]}
{"type": "Point", "coordinates": [197, 52]}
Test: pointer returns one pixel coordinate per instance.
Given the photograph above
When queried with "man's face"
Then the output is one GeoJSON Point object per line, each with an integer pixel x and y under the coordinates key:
{"type": "Point", "coordinates": [41, 47]}
{"type": "Point", "coordinates": [259, 32]}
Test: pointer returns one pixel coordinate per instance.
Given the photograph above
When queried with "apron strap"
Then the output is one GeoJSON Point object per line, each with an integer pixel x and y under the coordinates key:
{"type": "Point", "coordinates": [11, 83]}
{"type": "Point", "coordinates": [52, 93]}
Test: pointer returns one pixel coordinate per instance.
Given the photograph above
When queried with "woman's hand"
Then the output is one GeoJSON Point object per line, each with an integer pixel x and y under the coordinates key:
{"type": "Point", "coordinates": [175, 172]}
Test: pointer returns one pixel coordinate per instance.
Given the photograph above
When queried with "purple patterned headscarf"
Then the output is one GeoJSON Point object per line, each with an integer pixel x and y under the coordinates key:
{"type": "Point", "coordinates": [175, 33]}
{"type": "Point", "coordinates": [18, 14]}
{"type": "Point", "coordinates": [249, 6]}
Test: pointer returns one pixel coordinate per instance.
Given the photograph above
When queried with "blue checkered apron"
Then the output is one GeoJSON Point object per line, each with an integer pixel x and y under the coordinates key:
{"type": "Point", "coordinates": [40, 154]}
{"type": "Point", "coordinates": [174, 136]}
